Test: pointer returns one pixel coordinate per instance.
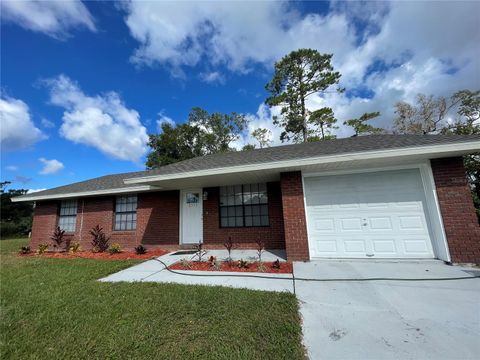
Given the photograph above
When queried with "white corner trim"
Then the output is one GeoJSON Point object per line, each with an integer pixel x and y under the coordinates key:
{"type": "Point", "coordinates": [366, 155]}
{"type": "Point", "coordinates": [132, 189]}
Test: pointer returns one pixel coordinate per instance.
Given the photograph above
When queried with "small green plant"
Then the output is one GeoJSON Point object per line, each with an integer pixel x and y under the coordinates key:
{"type": "Point", "coordinates": [243, 264]}
{"type": "Point", "coordinates": [25, 249]}
{"type": "Point", "coordinates": [114, 249]}
{"type": "Point", "coordinates": [187, 265]}
{"type": "Point", "coordinates": [199, 252]}
{"type": "Point", "coordinates": [100, 240]}
{"type": "Point", "coordinates": [229, 245]}
{"type": "Point", "coordinates": [216, 265]}
{"type": "Point", "coordinates": [276, 264]}
{"type": "Point", "coordinates": [140, 249]}
{"type": "Point", "coordinates": [58, 238]}
{"type": "Point", "coordinates": [42, 248]}
{"type": "Point", "coordinates": [75, 247]}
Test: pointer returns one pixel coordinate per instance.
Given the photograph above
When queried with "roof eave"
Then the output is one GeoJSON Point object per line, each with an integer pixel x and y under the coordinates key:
{"type": "Point", "coordinates": [433, 150]}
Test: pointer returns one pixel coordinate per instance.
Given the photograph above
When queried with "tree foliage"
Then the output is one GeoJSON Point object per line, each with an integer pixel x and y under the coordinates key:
{"type": "Point", "coordinates": [263, 137]}
{"type": "Point", "coordinates": [322, 123]}
{"type": "Point", "coordinates": [16, 218]}
{"type": "Point", "coordinates": [297, 76]}
{"type": "Point", "coordinates": [360, 127]}
{"type": "Point", "coordinates": [202, 134]}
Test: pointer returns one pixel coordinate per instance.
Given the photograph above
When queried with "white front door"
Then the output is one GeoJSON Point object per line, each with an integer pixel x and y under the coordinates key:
{"type": "Point", "coordinates": [191, 207]}
{"type": "Point", "coordinates": [377, 214]}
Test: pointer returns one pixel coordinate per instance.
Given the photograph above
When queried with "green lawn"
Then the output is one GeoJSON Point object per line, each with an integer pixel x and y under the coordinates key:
{"type": "Point", "coordinates": [54, 309]}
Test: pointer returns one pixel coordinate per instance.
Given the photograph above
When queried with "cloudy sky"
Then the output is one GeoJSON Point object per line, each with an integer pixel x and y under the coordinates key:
{"type": "Point", "coordinates": [84, 83]}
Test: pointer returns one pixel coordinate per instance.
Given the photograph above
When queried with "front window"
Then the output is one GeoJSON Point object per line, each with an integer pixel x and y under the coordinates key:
{"type": "Point", "coordinates": [68, 215]}
{"type": "Point", "coordinates": [126, 213]}
{"type": "Point", "coordinates": [244, 205]}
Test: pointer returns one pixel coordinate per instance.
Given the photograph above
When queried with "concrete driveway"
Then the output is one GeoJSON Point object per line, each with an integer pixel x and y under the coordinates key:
{"type": "Point", "coordinates": [386, 319]}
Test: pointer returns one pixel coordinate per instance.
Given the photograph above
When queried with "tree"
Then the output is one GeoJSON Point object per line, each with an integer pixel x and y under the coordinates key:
{"type": "Point", "coordinates": [426, 116]}
{"type": "Point", "coordinates": [263, 136]}
{"type": "Point", "coordinates": [16, 218]}
{"type": "Point", "coordinates": [299, 75]}
{"type": "Point", "coordinates": [323, 122]}
{"type": "Point", "coordinates": [360, 127]}
{"type": "Point", "coordinates": [202, 134]}
{"type": "Point", "coordinates": [248, 147]}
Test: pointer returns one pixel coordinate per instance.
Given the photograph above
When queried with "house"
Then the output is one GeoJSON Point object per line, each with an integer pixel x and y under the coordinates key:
{"type": "Point", "coordinates": [378, 196]}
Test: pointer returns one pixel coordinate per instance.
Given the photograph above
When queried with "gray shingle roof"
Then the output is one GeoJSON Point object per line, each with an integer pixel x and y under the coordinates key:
{"type": "Point", "coordinates": [266, 155]}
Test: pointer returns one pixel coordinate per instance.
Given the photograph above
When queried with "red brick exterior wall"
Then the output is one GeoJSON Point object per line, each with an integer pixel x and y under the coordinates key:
{"type": "Point", "coordinates": [245, 237]}
{"type": "Point", "coordinates": [157, 221]}
{"type": "Point", "coordinates": [295, 226]}
{"type": "Point", "coordinates": [458, 212]}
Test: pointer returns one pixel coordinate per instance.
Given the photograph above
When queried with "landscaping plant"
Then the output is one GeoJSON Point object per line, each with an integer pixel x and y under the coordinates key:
{"type": "Point", "coordinates": [25, 249]}
{"type": "Point", "coordinates": [100, 240]}
{"type": "Point", "coordinates": [276, 264]}
{"type": "Point", "coordinates": [140, 249]}
{"type": "Point", "coordinates": [58, 237]}
{"type": "Point", "coordinates": [260, 249]}
{"type": "Point", "coordinates": [199, 252]}
{"type": "Point", "coordinates": [243, 264]}
{"type": "Point", "coordinates": [74, 247]}
{"type": "Point", "coordinates": [186, 264]}
{"type": "Point", "coordinates": [229, 246]}
{"type": "Point", "coordinates": [42, 248]}
{"type": "Point", "coordinates": [114, 249]}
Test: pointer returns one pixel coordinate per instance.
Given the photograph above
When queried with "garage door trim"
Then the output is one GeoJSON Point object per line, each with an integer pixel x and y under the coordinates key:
{"type": "Point", "coordinates": [439, 241]}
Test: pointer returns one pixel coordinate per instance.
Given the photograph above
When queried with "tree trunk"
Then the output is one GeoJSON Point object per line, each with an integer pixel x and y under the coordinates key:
{"type": "Point", "coordinates": [304, 116]}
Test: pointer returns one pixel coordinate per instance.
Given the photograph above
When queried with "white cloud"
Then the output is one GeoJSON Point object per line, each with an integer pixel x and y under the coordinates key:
{"type": "Point", "coordinates": [12, 168]}
{"type": "Point", "coordinates": [54, 18]}
{"type": "Point", "coordinates": [399, 49]}
{"type": "Point", "coordinates": [17, 128]}
{"type": "Point", "coordinates": [50, 166]}
{"type": "Point", "coordinates": [213, 77]}
{"type": "Point", "coordinates": [102, 121]}
{"type": "Point", "coordinates": [31, 191]}
{"type": "Point", "coordinates": [47, 123]}
{"type": "Point", "coordinates": [162, 118]}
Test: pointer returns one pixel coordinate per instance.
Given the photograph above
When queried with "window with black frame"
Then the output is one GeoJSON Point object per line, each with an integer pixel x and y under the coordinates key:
{"type": "Point", "coordinates": [244, 205]}
{"type": "Point", "coordinates": [68, 215]}
{"type": "Point", "coordinates": [126, 212]}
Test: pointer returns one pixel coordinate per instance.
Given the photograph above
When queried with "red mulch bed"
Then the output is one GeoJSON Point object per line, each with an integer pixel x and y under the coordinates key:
{"type": "Point", "coordinates": [125, 255]}
{"type": "Point", "coordinates": [285, 267]}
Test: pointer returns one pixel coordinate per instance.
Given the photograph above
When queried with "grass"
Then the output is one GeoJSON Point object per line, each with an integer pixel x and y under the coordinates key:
{"type": "Point", "coordinates": [55, 309]}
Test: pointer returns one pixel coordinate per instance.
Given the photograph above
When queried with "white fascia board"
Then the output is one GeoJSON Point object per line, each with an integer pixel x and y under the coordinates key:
{"type": "Point", "coordinates": [132, 189]}
{"type": "Point", "coordinates": [366, 155]}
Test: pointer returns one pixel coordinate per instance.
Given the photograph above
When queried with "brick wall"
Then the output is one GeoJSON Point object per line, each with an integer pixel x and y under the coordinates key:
{"type": "Point", "coordinates": [157, 221]}
{"type": "Point", "coordinates": [296, 240]}
{"type": "Point", "coordinates": [456, 207]}
{"type": "Point", "coordinates": [214, 236]}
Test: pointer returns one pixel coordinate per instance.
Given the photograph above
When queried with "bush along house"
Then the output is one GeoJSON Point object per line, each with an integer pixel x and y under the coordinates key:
{"type": "Point", "coordinates": [373, 197]}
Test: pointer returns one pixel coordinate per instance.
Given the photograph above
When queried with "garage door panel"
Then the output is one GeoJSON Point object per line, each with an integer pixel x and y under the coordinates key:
{"type": "Point", "coordinates": [368, 215]}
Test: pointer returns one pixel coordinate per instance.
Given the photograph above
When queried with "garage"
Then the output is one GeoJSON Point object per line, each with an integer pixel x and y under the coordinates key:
{"type": "Point", "coordinates": [379, 214]}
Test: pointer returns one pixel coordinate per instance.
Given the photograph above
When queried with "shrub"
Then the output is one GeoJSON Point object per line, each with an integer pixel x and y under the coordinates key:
{"type": "Point", "coordinates": [25, 249]}
{"type": "Point", "coordinates": [185, 264]}
{"type": "Point", "coordinates": [100, 240]}
{"type": "Point", "coordinates": [42, 248]}
{"type": "Point", "coordinates": [140, 250]}
{"type": "Point", "coordinates": [114, 249]}
{"type": "Point", "coordinates": [261, 267]}
{"type": "Point", "coordinates": [75, 247]}
{"type": "Point", "coordinates": [243, 264]}
{"type": "Point", "coordinates": [58, 237]}
{"type": "Point", "coordinates": [229, 245]}
{"type": "Point", "coordinates": [216, 265]}
{"type": "Point", "coordinates": [276, 264]}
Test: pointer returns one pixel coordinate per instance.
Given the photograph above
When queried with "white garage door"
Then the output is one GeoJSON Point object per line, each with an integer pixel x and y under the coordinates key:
{"type": "Point", "coordinates": [377, 215]}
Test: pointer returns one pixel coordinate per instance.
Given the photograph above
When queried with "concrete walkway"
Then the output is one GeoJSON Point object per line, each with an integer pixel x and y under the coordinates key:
{"type": "Point", "coordinates": [154, 271]}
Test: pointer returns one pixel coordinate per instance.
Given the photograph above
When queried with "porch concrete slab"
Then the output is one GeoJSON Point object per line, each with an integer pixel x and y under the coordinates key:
{"type": "Point", "coordinates": [388, 319]}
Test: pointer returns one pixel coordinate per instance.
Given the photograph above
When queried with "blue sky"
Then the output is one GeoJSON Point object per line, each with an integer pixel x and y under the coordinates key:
{"type": "Point", "coordinates": [83, 83]}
